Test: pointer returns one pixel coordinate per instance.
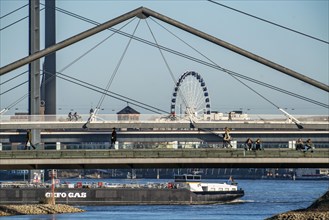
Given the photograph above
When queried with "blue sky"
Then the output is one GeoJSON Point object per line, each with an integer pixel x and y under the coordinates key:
{"type": "Point", "coordinates": [143, 74]}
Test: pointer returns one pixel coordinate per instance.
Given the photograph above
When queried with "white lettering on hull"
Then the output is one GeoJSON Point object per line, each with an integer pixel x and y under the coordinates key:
{"type": "Point", "coordinates": [67, 195]}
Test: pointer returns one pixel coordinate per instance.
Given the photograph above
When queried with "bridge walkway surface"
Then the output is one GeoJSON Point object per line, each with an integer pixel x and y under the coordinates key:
{"type": "Point", "coordinates": [163, 158]}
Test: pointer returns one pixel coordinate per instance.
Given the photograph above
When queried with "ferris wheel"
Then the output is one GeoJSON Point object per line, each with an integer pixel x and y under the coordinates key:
{"type": "Point", "coordinates": [190, 97]}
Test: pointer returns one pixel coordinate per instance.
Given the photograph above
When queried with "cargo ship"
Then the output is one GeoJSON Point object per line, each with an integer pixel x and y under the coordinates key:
{"type": "Point", "coordinates": [311, 174]}
{"type": "Point", "coordinates": [185, 189]}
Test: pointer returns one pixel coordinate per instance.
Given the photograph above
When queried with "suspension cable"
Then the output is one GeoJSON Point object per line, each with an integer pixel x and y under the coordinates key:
{"type": "Point", "coordinates": [190, 116]}
{"type": "Point", "coordinates": [94, 47]}
{"type": "Point", "coordinates": [19, 99]}
{"type": "Point", "coordinates": [162, 55]}
{"type": "Point", "coordinates": [11, 24]}
{"type": "Point", "coordinates": [13, 104]}
{"type": "Point", "coordinates": [244, 77]}
{"type": "Point", "coordinates": [235, 74]}
{"type": "Point", "coordinates": [13, 11]}
{"type": "Point", "coordinates": [290, 117]}
{"type": "Point", "coordinates": [13, 78]}
{"type": "Point", "coordinates": [270, 22]}
{"type": "Point", "coordinates": [217, 65]}
{"type": "Point", "coordinates": [22, 97]}
{"type": "Point", "coordinates": [106, 93]}
{"type": "Point", "coordinates": [249, 79]}
{"type": "Point", "coordinates": [89, 86]}
{"type": "Point", "coordinates": [193, 59]}
{"type": "Point", "coordinates": [124, 98]}
{"type": "Point", "coordinates": [199, 61]}
{"type": "Point", "coordinates": [116, 70]}
{"type": "Point", "coordinates": [166, 62]}
{"type": "Point", "coordinates": [70, 64]}
{"type": "Point", "coordinates": [17, 21]}
{"type": "Point", "coordinates": [15, 87]}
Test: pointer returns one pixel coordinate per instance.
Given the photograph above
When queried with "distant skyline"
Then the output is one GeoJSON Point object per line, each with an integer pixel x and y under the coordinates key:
{"type": "Point", "coordinates": [146, 77]}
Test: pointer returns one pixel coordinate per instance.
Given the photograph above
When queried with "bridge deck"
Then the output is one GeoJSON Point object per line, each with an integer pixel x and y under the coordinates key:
{"type": "Point", "coordinates": [166, 158]}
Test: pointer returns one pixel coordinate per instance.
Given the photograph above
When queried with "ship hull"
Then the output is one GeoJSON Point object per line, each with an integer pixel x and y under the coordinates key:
{"type": "Point", "coordinates": [115, 196]}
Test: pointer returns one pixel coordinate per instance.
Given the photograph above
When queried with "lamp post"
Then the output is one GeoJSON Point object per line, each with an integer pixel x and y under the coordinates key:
{"type": "Point", "coordinates": [53, 174]}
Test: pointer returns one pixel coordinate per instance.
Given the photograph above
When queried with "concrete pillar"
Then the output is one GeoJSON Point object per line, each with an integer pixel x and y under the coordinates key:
{"type": "Point", "coordinates": [116, 145]}
{"type": "Point", "coordinates": [58, 145]}
{"type": "Point", "coordinates": [49, 85]}
{"type": "Point", "coordinates": [0, 146]}
{"type": "Point", "coordinates": [36, 139]}
{"type": "Point", "coordinates": [34, 67]}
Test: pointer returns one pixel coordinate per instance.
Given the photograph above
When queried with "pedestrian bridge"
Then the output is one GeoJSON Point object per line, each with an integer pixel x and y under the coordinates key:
{"type": "Point", "coordinates": [146, 121]}
{"type": "Point", "coordinates": [163, 158]}
{"type": "Point", "coordinates": [156, 128]}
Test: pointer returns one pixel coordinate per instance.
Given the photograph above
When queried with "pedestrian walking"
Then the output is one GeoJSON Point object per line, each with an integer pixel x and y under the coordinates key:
{"type": "Point", "coordinates": [28, 142]}
{"type": "Point", "coordinates": [113, 138]}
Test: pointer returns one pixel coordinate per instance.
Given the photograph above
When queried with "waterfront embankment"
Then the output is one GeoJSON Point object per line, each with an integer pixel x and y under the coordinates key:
{"type": "Point", "coordinates": [37, 209]}
{"type": "Point", "coordinates": [318, 210]}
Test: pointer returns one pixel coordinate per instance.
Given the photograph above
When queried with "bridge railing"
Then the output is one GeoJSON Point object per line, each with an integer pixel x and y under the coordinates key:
{"type": "Point", "coordinates": [155, 118]}
{"type": "Point", "coordinates": [174, 145]}
{"type": "Point", "coordinates": [163, 153]}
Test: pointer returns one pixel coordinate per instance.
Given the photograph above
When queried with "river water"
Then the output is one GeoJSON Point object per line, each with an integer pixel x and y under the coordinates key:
{"type": "Point", "coordinates": [263, 199]}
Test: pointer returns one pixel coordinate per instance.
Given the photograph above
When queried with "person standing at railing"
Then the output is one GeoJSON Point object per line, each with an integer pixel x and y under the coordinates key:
{"type": "Point", "coordinates": [28, 142]}
{"type": "Point", "coordinates": [227, 138]}
{"type": "Point", "coordinates": [91, 115]}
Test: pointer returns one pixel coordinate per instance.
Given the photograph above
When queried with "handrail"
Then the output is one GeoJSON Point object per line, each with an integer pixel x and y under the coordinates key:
{"type": "Point", "coordinates": [163, 153]}
{"type": "Point", "coordinates": [24, 118]}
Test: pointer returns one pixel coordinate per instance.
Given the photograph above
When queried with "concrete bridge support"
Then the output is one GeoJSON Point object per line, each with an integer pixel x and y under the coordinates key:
{"type": "Point", "coordinates": [49, 77]}
{"type": "Point", "coordinates": [34, 67]}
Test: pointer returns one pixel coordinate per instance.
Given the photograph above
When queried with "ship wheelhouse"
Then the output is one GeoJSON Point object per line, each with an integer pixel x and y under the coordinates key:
{"type": "Point", "coordinates": [185, 178]}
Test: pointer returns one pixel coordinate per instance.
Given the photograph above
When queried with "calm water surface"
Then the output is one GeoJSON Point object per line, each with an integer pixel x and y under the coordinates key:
{"type": "Point", "coordinates": [263, 199]}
